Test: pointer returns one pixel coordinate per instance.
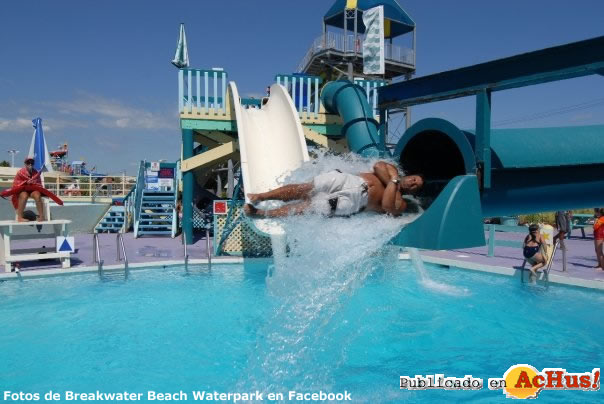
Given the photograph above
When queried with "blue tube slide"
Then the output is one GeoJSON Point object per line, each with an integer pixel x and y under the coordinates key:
{"type": "Point", "coordinates": [454, 219]}
{"type": "Point", "coordinates": [350, 102]}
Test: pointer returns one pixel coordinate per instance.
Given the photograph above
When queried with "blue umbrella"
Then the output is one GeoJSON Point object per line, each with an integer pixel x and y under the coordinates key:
{"type": "Point", "coordinates": [38, 149]}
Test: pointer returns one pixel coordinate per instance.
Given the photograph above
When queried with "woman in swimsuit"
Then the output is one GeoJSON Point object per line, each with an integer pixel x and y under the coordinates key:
{"type": "Point", "coordinates": [532, 249]}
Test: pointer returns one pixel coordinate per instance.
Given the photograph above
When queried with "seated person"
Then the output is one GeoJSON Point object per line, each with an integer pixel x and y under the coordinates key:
{"type": "Point", "coordinates": [25, 176]}
{"type": "Point", "coordinates": [339, 194]}
{"type": "Point", "coordinates": [533, 249]}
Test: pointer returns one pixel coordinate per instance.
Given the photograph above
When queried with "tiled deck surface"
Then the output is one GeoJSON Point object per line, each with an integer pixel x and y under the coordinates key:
{"type": "Point", "coordinates": [141, 250]}
{"type": "Point", "coordinates": [580, 259]}
{"type": "Point", "coordinates": [580, 256]}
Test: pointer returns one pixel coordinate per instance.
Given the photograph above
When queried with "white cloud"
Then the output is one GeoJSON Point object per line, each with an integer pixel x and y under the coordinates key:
{"type": "Point", "coordinates": [115, 114]}
{"type": "Point", "coordinates": [86, 111]}
{"type": "Point", "coordinates": [16, 124]}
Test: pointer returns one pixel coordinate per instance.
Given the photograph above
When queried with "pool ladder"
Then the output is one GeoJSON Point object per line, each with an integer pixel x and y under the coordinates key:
{"type": "Point", "coordinates": [121, 252]}
{"type": "Point", "coordinates": [548, 268]}
{"type": "Point", "coordinates": [96, 254]}
{"type": "Point", "coordinates": [119, 241]}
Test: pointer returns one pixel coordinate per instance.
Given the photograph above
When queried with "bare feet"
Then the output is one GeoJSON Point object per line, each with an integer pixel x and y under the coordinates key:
{"type": "Point", "coordinates": [20, 219]}
{"type": "Point", "coordinates": [250, 210]}
{"type": "Point", "coordinates": [254, 198]}
{"type": "Point", "coordinates": [40, 218]}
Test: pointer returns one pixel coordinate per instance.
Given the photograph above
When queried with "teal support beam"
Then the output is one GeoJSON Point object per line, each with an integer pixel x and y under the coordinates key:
{"type": "Point", "coordinates": [483, 136]}
{"type": "Point", "coordinates": [188, 182]}
{"type": "Point", "coordinates": [563, 62]}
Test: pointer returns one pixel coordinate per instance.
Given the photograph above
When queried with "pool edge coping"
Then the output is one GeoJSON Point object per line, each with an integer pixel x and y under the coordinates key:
{"type": "Point", "coordinates": [464, 265]}
{"type": "Point", "coordinates": [42, 273]}
{"type": "Point", "coordinates": [512, 272]}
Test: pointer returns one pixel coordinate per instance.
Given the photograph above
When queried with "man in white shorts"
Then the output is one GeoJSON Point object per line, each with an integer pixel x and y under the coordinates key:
{"type": "Point", "coordinates": [339, 194]}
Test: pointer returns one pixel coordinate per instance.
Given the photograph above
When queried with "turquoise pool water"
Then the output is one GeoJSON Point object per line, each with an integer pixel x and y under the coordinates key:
{"type": "Point", "coordinates": [234, 330]}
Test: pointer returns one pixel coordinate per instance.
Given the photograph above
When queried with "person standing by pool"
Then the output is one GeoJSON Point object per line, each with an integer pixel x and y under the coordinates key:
{"type": "Point", "coordinates": [533, 249]}
{"type": "Point", "coordinates": [599, 238]}
{"type": "Point", "coordinates": [563, 221]}
{"type": "Point", "coordinates": [339, 194]}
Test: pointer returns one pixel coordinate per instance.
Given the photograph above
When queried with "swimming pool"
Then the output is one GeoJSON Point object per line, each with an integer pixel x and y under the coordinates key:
{"type": "Point", "coordinates": [232, 329]}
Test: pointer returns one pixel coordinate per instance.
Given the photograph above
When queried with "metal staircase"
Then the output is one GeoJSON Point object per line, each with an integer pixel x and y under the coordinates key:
{"type": "Point", "coordinates": [113, 221]}
{"type": "Point", "coordinates": [155, 205]}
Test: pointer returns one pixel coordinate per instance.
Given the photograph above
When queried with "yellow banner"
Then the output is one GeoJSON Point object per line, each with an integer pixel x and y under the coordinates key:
{"type": "Point", "coordinates": [351, 4]}
{"type": "Point", "coordinates": [387, 28]}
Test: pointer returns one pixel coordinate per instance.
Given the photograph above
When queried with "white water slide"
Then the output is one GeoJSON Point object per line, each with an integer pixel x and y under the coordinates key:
{"type": "Point", "coordinates": [272, 144]}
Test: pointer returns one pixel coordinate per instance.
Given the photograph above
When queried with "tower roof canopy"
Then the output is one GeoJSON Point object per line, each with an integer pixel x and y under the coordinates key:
{"type": "Point", "coordinates": [400, 23]}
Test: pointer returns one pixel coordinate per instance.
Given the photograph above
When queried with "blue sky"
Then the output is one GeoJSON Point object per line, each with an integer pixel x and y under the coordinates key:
{"type": "Point", "coordinates": [99, 73]}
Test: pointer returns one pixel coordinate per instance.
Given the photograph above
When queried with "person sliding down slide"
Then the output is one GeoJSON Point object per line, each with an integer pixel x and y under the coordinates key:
{"type": "Point", "coordinates": [27, 183]}
{"type": "Point", "coordinates": [339, 194]}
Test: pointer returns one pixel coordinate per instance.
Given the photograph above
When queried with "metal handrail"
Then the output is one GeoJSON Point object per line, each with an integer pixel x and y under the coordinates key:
{"type": "Point", "coordinates": [120, 244]}
{"type": "Point", "coordinates": [138, 195]}
{"type": "Point", "coordinates": [96, 254]}
{"type": "Point", "coordinates": [186, 254]}
{"type": "Point", "coordinates": [338, 42]}
{"type": "Point", "coordinates": [208, 249]}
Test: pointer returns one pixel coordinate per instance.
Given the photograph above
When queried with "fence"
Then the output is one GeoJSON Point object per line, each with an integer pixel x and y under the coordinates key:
{"type": "Point", "coordinates": [304, 91]}
{"type": "Point", "coordinates": [492, 241]}
{"type": "Point", "coordinates": [203, 89]}
{"type": "Point", "coordinates": [86, 187]}
{"type": "Point", "coordinates": [338, 42]}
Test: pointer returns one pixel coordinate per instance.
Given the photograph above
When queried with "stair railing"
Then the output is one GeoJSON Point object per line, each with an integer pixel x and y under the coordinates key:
{"type": "Point", "coordinates": [96, 254]}
{"type": "Point", "coordinates": [120, 246]}
{"type": "Point", "coordinates": [129, 202]}
{"type": "Point", "coordinates": [140, 187]}
{"type": "Point", "coordinates": [186, 254]}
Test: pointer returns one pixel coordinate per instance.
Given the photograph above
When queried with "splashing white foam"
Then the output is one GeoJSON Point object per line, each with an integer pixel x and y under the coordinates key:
{"type": "Point", "coordinates": [328, 259]}
{"type": "Point", "coordinates": [428, 283]}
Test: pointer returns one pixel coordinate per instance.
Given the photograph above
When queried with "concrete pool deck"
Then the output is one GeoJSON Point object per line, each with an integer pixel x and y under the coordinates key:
{"type": "Point", "coordinates": [149, 251]}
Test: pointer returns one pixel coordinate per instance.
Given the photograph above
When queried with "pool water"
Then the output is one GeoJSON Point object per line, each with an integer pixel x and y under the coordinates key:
{"type": "Point", "coordinates": [232, 329]}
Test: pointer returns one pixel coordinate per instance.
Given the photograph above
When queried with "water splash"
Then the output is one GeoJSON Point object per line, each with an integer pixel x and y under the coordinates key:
{"type": "Point", "coordinates": [328, 260]}
{"type": "Point", "coordinates": [428, 283]}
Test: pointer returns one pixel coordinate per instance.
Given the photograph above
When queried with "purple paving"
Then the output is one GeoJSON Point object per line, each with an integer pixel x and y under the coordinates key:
{"type": "Point", "coordinates": [141, 250]}
{"type": "Point", "coordinates": [580, 254]}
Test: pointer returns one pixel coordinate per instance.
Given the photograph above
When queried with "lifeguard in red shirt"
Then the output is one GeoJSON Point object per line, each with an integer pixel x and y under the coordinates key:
{"type": "Point", "coordinates": [28, 183]}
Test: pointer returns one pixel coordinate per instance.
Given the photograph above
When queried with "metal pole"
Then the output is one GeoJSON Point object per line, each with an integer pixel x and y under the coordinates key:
{"type": "Point", "coordinates": [117, 244]}
{"type": "Point", "coordinates": [230, 179]}
{"type": "Point", "coordinates": [184, 239]}
{"type": "Point", "coordinates": [208, 249]}
{"type": "Point", "coordinates": [94, 242]}
{"type": "Point", "coordinates": [126, 267]}
{"type": "Point", "coordinates": [563, 246]}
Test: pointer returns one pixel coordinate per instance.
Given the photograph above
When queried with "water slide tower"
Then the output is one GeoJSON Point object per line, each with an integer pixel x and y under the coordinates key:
{"type": "Point", "coordinates": [339, 50]}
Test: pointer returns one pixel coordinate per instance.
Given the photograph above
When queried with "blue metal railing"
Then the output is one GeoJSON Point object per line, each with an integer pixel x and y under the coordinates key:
{"type": "Point", "coordinates": [202, 89]}
{"type": "Point", "coordinates": [492, 241]}
{"type": "Point", "coordinates": [129, 202]}
{"type": "Point", "coordinates": [304, 91]}
{"type": "Point", "coordinates": [140, 187]}
{"type": "Point", "coordinates": [370, 87]}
